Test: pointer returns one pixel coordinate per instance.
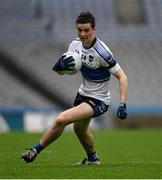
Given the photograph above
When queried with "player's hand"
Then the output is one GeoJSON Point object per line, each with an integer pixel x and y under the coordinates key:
{"type": "Point", "coordinates": [122, 111]}
{"type": "Point", "coordinates": [64, 63]}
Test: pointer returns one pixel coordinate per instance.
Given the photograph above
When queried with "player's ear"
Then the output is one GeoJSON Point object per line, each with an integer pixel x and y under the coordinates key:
{"type": "Point", "coordinates": [76, 30]}
{"type": "Point", "coordinates": [94, 29]}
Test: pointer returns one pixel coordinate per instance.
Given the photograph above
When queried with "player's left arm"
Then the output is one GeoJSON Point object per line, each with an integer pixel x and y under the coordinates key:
{"type": "Point", "coordinates": [123, 84]}
{"type": "Point", "coordinates": [123, 89]}
{"type": "Point", "coordinates": [108, 61]}
{"type": "Point", "coordinates": [118, 72]}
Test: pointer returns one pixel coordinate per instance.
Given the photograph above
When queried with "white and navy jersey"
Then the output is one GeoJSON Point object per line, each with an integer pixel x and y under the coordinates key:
{"type": "Point", "coordinates": [97, 65]}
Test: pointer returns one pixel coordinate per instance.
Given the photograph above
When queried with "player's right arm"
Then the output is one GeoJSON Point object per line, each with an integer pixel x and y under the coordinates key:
{"type": "Point", "coordinates": [64, 63]}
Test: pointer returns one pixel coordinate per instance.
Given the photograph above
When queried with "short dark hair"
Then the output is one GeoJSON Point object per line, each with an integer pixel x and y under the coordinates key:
{"type": "Point", "coordinates": [86, 17]}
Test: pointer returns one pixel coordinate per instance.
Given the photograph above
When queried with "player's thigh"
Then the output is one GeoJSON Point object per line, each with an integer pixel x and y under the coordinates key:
{"type": "Point", "coordinates": [77, 113]}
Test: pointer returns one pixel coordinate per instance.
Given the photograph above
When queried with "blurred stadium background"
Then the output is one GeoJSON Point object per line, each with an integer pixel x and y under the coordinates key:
{"type": "Point", "coordinates": [34, 33]}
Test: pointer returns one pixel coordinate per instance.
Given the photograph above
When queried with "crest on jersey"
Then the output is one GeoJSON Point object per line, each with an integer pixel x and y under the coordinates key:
{"type": "Point", "coordinates": [91, 58]}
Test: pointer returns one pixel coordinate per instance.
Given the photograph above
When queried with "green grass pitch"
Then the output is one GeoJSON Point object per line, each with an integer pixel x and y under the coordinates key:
{"type": "Point", "coordinates": [127, 154]}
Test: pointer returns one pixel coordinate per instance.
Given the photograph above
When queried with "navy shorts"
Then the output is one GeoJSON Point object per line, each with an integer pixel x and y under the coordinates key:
{"type": "Point", "coordinates": [99, 107]}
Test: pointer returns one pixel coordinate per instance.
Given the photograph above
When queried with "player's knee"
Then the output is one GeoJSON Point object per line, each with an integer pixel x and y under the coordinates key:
{"type": "Point", "coordinates": [77, 128]}
{"type": "Point", "coordinates": [60, 120]}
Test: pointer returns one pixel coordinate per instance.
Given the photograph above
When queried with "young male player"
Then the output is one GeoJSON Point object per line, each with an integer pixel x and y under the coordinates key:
{"type": "Point", "coordinates": [93, 97]}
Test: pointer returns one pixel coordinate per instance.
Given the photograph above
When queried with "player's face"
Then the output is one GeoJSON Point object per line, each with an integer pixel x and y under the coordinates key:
{"type": "Point", "coordinates": [85, 33]}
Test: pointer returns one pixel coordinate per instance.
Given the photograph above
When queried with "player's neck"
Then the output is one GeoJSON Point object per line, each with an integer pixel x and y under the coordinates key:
{"type": "Point", "coordinates": [91, 44]}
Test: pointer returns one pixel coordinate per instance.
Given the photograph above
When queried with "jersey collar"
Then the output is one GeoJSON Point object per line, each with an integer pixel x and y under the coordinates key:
{"type": "Point", "coordinates": [92, 44]}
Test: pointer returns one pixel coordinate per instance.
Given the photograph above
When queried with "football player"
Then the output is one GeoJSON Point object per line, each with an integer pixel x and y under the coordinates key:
{"type": "Point", "coordinates": [93, 98]}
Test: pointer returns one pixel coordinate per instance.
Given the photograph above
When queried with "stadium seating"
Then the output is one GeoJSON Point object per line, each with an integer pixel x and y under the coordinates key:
{"type": "Point", "coordinates": [15, 94]}
{"type": "Point", "coordinates": [46, 20]}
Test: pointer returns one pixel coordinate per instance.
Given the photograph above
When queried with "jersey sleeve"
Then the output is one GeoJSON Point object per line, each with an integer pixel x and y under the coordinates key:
{"type": "Point", "coordinates": [71, 47]}
{"type": "Point", "coordinates": [106, 57]}
{"type": "Point", "coordinates": [73, 44]}
{"type": "Point", "coordinates": [114, 68]}
{"type": "Point", "coordinates": [111, 64]}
